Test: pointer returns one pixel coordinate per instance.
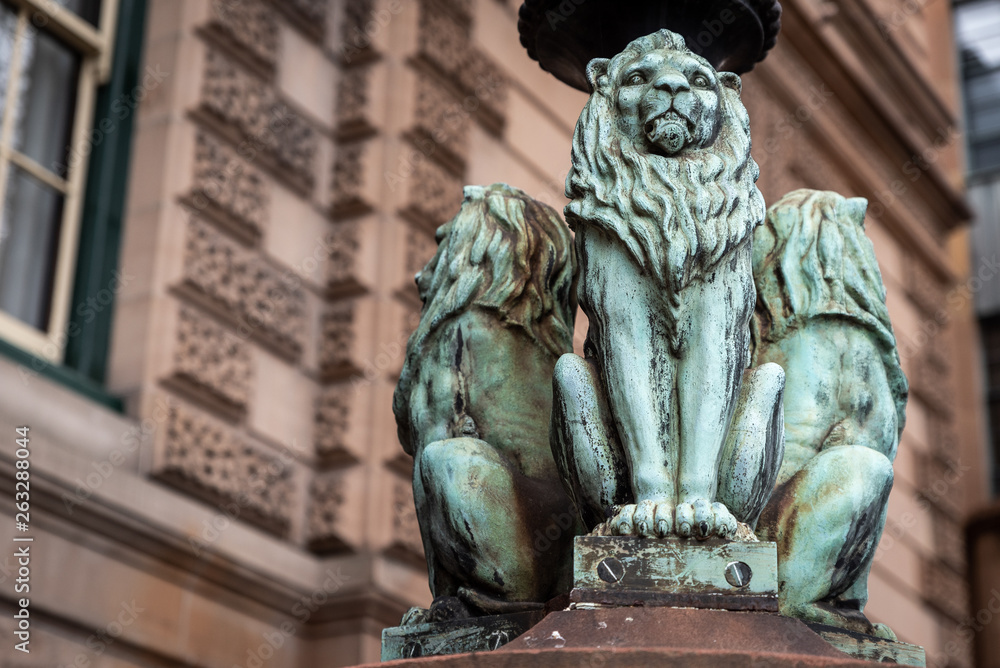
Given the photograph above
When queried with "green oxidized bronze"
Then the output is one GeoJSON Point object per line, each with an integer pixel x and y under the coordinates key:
{"type": "Point", "coordinates": [662, 430]}
{"type": "Point", "coordinates": [821, 315]}
{"type": "Point", "coordinates": [473, 405]}
{"type": "Point", "coordinates": [740, 373]}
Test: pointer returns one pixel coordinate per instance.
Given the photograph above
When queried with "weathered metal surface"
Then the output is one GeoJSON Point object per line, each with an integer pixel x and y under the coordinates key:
{"type": "Point", "coordinates": [624, 570]}
{"type": "Point", "coordinates": [478, 634]}
{"type": "Point", "coordinates": [473, 403]}
{"type": "Point", "coordinates": [563, 35]}
{"type": "Point", "coordinates": [821, 315]}
{"type": "Point", "coordinates": [868, 648]}
{"type": "Point", "coordinates": [664, 205]}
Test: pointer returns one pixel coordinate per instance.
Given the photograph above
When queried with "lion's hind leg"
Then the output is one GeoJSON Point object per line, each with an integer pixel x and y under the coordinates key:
{"type": "Point", "coordinates": [585, 442]}
{"type": "Point", "coordinates": [824, 574]}
{"type": "Point", "coordinates": [477, 523]}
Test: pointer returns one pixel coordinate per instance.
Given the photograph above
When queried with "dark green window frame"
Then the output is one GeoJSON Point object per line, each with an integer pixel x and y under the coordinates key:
{"type": "Point", "coordinates": [85, 362]}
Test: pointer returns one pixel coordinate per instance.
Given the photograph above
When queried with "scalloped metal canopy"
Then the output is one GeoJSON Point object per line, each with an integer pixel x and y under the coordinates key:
{"type": "Point", "coordinates": [565, 35]}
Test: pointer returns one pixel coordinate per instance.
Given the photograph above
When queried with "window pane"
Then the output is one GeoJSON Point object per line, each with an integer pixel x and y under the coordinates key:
{"type": "Point", "coordinates": [88, 10]}
{"type": "Point", "coordinates": [8, 31]}
{"type": "Point", "coordinates": [43, 119]}
{"type": "Point", "coordinates": [29, 239]}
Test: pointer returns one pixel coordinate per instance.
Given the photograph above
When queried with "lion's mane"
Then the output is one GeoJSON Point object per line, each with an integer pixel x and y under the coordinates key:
{"type": "Point", "coordinates": [505, 254]}
{"type": "Point", "coordinates": [811, 259]}
{"type": "Point", "coordinates": [678, 216]}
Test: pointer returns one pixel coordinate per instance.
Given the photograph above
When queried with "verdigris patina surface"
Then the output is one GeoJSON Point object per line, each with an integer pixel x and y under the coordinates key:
{"type": "Point", "coordinates": [664, 204]}
{"type": "Point", "coordinates": [473, 403]}
{"type": "Point", "coordinates": [821, 315]}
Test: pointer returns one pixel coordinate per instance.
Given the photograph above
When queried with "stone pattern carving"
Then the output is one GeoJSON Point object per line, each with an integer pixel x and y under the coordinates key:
{"type": "Point", "coordinates": [263, 300]}
{"type": "Point", "coordinates": [434, 194]}
{"type": "Point", "coordinates": [444, 41]}
{"type": "Point", "coordinates": [441, 119]}
{"type": "Point", "coordinates": [333, 412]}
{"type": "Point", "coordinates": [353, 102]}
{"type": "Point", "coordinates": [251, 24]}
{"type": "Point", "coordinates": [342, 245]}
{"type": "Point", "coordinates": [209, 457]}
{"type": "Point", "coordinates": [240, 99]}
{"type": "Point", "coordinates": [222, 179]}
{"type": "Point", "coordinates": [336, 349]}
{"type": "Point", "coordinates": [348, 183]}
{"type": "Point", "coordinates": [326, 502]}
{"type": "Point", "coordinates": [211, 357]}
{"type": "Point", "coordinates": [405, 528]}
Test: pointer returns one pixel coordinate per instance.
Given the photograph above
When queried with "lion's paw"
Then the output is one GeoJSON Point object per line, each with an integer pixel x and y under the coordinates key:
{"type": "Point", "coordinates": [646, 519]}
{"type": "Point", "coordinates": [702, 519]}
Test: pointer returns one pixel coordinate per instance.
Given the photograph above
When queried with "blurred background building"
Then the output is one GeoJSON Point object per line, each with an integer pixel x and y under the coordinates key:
{"type": "Point", "coordinates": [212, 212]}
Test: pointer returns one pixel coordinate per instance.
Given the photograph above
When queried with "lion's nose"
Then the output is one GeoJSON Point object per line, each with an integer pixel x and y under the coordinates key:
{"type": "Point", "coordinates": [671, 81]}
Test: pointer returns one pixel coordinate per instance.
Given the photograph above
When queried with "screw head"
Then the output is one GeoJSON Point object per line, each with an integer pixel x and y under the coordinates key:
{"type": "Point", "coordinates": [738, 574]}
{"type": "Point", "coordinates": [610, 570]}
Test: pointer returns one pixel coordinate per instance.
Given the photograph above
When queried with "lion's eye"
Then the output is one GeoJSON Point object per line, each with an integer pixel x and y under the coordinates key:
{"type": "Point", "coordinates": [700, 80]}
{"type": "Point", "coordinates": [636, 79]}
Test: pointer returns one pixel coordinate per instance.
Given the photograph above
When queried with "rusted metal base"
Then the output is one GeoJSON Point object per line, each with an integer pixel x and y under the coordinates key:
{"type": "Point", "coordinates": [456, 637]}
{"type": "Point", "coordinates": [718, 575]}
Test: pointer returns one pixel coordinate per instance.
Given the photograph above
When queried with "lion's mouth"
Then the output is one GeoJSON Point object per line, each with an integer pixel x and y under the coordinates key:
{"type": "Point", "coordinates": [668, 131]}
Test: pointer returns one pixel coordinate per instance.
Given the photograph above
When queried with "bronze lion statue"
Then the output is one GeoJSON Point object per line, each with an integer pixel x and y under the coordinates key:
{"type": "Point", "coordinates": [473, 402]}
{"type": "Point", "coordinates": [821, 315]}
{"type": "Point", "coordinates": [664, 204]}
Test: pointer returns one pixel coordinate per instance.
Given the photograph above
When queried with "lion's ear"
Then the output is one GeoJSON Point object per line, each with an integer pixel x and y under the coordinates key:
{"type": "Point", "coordinates": [597, 73]}
{"type": "Point", "coordinates": [731, 80]}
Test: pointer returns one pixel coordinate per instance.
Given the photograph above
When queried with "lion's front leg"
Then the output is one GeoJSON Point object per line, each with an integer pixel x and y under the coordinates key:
{"type": "Point", "coordinates": [715, 336]}
{"type": "Point", "coordinates": [631, 333]}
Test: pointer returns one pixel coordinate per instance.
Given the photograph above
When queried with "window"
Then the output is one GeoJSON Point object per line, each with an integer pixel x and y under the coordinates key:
{"type": "Point", "coordinates": [977, 28]}
{"type": "Point", "coordinates": [54, 55]}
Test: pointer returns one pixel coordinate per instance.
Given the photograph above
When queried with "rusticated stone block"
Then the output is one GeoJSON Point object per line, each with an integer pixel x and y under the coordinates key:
{"type": "Point", "coordinates": [326, 504]}
{"type": "Point", "coordinates": [440, 117]}
{"type": "Point", "coordinates": [229, 188]}
{"type": "Point", "coordinates": [209, 358]}
{"type": "Point", "coordinates": [309, 16]}
{"type": "Point", "coordinates": [433, 195]}
{"type": "Point", "coordinates": [263, 302]}
{"type": "Point", "coordinates": [406, 541]}
{"type": "Point", "coordinates": [443, 42]}
{"type": "Point", "coordinates": [342, 245]}
{"type": "Point", "coordinates": [354, 98]}
{"type": "Point", "coordinates": [262, 119]}
{"type": "Point", "coordinates": [249, 24]}
{"type": "Point", "coordinates": [209, 460]}
{"type": "Point", "coordinates": [338, 339]}
{"type": "Point", "coordinates": [349, 194]}
{"type": "Point", "coordinates": [333, 418]}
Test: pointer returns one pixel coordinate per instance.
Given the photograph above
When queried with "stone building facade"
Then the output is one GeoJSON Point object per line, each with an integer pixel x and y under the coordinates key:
{"type": "Point", "coordinates": [250, 504]}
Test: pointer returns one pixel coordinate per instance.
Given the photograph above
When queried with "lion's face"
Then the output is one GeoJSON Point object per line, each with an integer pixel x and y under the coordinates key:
{"type": "Point", "coordinates": [668, 100]}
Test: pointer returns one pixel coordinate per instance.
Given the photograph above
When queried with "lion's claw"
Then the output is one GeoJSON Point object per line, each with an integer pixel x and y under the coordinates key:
{"type": "Point", "coordinates": [653, 519]}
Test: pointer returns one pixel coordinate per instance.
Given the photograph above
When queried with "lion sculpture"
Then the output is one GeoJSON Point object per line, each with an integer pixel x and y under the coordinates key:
{"type": "Point", "coordinates": [664, 204]}
{"type": "Point", "coordinates": [473, 402]}
{"type": "Point", "coordinates": [821, 315]}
